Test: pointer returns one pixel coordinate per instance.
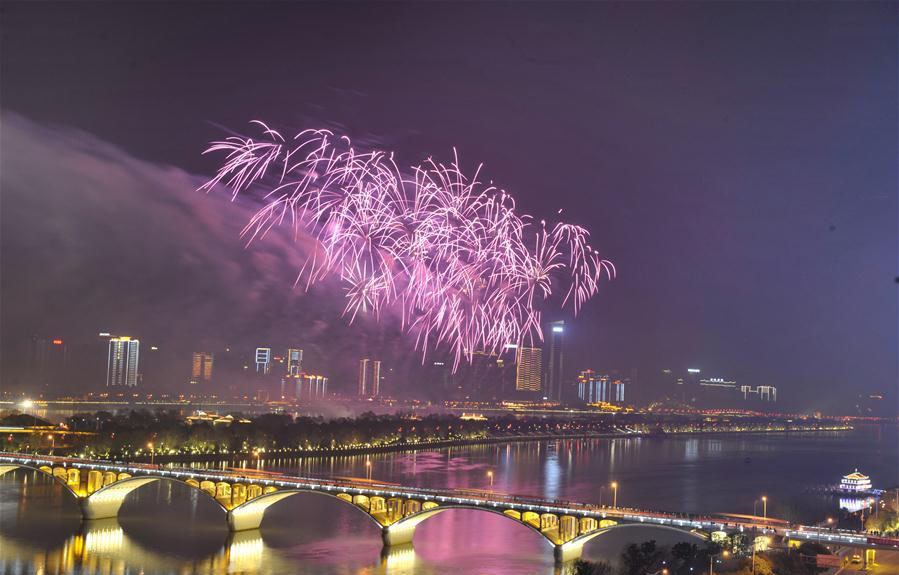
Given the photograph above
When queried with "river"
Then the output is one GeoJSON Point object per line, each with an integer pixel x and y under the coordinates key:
{"type": "Point", "coordinates": [165, 528]}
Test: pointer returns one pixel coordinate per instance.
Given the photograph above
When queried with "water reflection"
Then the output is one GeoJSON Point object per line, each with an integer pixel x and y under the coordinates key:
{"type": "Point", "coordinates": [853, 504]}
{"type": "Point", "coordinates": [97, 547]}
{"type": "Point", "coordinates": [106, 547]}
{"type": "Point", "coordinates": [165, 528]}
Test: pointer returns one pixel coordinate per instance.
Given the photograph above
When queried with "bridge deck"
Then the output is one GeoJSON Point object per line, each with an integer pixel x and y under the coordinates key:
{"type": "Point", "coordinates": [489, 500]}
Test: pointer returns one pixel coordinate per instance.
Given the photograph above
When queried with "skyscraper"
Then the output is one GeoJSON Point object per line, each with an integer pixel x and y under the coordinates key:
{"type": "Point", "coordinates": [596, 388]}
{"type": "Point", "coordinates": [310, 386]}
{"type": "Point", "coordinates": [121, 367]}
{"type": "Point", "coordinates": [369, 378]}
{"type": "Point", "coordinates": [294, 361]}
{"type": "Point", "coordinates": [48, 360]}
{"type": "Point", "coordinates": [375, 378]}
{"type": "Point", "coordinates": [555, 368]}
{"type": "Point", "coordinates": [529, 364]}
{"type": "Point", "coordinates": [617, 391]}
{"type": "Point", "coordinates": [202, 367]}
{"type": "Point", "coordinates": [362, 388]}
{"type": "Point", "coordinates": [263, 360]}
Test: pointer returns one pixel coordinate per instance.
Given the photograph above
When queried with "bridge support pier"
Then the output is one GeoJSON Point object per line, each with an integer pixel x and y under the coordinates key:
{"type": "Point", "coordinates": [568, 551]}
{"type": "Point", "coordinates": [398, 534]}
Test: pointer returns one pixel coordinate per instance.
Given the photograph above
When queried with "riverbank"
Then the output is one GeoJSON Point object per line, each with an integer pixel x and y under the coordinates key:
{"type": "Point", "coordinates": [442, 444]}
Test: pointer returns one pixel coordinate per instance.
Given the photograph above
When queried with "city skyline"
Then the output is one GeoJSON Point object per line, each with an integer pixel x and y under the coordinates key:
{"type": "Point", "coordinates": [529, 378]}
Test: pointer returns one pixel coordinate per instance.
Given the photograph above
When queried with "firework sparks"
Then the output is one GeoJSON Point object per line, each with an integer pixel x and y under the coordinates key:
{"type": "Point", "coordinates": [457, 260]}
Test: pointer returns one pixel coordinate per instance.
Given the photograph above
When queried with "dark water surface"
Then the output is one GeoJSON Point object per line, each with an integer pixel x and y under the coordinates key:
{"type": "Point", "coordinates": [167, 528]}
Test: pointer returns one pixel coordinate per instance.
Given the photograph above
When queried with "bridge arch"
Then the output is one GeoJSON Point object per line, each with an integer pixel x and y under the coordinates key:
{"type": "Point", "coordinates": [8, 467]}
{"type": "Point", "coordinates": [572, 549]}
{"type": "Point", "coordinates": [402, 531]}
{"type": "Point", "coordinates": [106, 501]}
{"type": "Point", "coordinates": [249, 515]}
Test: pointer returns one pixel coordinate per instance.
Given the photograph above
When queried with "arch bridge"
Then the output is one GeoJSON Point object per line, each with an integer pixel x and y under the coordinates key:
{"type": "Point", "coordinates": [244, 496]}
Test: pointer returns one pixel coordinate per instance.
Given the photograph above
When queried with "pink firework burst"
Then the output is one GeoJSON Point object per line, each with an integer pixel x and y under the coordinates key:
{"type": "Point", "coordinates": [452, 255]}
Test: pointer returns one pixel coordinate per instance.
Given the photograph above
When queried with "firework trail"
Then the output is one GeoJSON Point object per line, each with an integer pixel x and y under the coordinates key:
{"type": "Point", "coordinates": [463, 267]}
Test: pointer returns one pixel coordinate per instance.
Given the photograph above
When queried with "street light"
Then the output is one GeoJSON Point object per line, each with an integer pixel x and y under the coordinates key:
{"type": "Point", "coordinates": [490, 475]}
{"type": "Point", "coordinates": [712, 559]}
{"type": "Point", "coordinates": [765, 506]}
{"type": "Point", "coordinates": [614, 495]}
{"type": "Point", "coordinates": [52, 443]}
{"type": "Point", "coordinates": [152, 452]}
{"type": "Point", "coordinates": [368, 468]}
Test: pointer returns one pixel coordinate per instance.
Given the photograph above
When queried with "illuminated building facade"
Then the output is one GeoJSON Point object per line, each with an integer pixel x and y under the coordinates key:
{"type": "Point", "coordinates": [601, 388]}
{"type": "Point", "coordinates": [529, 364]}
{"type": "Point", "coordinates": [693, 376]}
{"type": "Point", "coordinates": [202, 367]}
{"type": "Point", "coordinates": [761, 392]}
{"type": "Point", "coordinates": [855, 481]}
{"type": "Point", "coordinates": [617, 391]}
{"type": "Point", "coordinates": [718, 382]}
{"type": "Point", "coordinates": [310, 386]}
{"type": "Point", "coordinates": [369, 384]}
{"type": "Point", "coordinates": [555, 365]}
{"type": "Point", "coordinates": [592, 387]}
{"type": "Point", "coordinates": [294, 361]}
{"type": "Point", "coordinates": [121, 367]}
{"type": "Point", "coordinates": [263, 360]}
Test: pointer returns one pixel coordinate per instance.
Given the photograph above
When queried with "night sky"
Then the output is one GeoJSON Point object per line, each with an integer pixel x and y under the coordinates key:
{"type": "Point", "coordinates": [736, 161]}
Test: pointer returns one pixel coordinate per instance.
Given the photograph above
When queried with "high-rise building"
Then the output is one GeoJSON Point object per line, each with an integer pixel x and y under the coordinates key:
{"type": "Point", "coordinates": [598, 388]}
{"type": "Point", "coordinates": [362, 388]}
{"type": "Point", "coordinates": [617, 391]}
{"type": "Point", "coordinates": [310, 386]}
{"type": "Point", "coordinates": [555, 367]}
{"type": "Point", "coordinates": [48, 360]}
{"type": "Point", "coordinates": [121, 366]}
{"type": "Point", "coordinates": [263, 360]}
{"type": "Point", "coordinates": [369, 378]}
{"type": "Point", "coordinates": [587, 386]}
{"type": "Point", "coordinates": [375, 378]}
{"type": "Point", "coordinates": [761, 392]}
{"type": "Point", "coordinates": [529, 367]}
{"type": "Point", "coordinates": [294, 361]}
{"type": "Point", "coordinates": [481, 376]}
{"type": "Point", "coordinates": [693, 377]}
{"type": "Point", "coordinates": [202, 367]}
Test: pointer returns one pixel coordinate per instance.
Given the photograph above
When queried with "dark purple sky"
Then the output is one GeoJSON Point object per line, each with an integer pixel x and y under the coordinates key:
{"type": "Point", "coordinates": [737, 162]}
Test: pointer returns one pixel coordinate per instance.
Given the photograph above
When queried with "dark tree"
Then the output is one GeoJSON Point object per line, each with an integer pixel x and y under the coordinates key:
{"type": "Point", "coordinates": [582, 567]}
{"type": "Point", "coordinates": [641, 559]}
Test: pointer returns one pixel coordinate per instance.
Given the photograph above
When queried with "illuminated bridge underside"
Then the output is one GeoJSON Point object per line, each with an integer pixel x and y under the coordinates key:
{"type": "Point", "coordinates": [101, 490]}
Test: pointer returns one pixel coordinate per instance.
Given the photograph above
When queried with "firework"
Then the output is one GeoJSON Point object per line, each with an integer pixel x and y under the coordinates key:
{"type": "Point", "coordinates": [463, 268]}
